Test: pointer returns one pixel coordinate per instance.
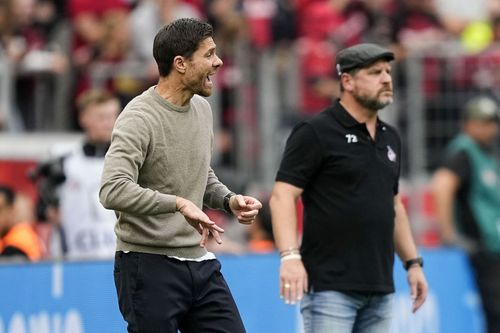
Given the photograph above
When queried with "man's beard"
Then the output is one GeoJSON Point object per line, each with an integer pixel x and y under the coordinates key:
{"type": "Point", "coordinates": [370, 103]}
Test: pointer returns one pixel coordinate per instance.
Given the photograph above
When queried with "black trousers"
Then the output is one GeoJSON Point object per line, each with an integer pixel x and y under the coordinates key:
{"type": "Point", "coordinates": [487, 273]}
{"type": "Point", "coordinates": [158, 294]}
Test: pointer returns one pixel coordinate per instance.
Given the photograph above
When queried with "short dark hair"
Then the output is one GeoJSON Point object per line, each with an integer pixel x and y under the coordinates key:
{"type": "Point", "coordinates": [8, 193]}
{"type": "Point", "coordinates": [180, 37]}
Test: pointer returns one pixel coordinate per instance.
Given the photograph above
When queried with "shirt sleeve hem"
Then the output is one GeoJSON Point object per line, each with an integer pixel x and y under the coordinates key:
{"type": "Point", "coordinates": [290, 179]}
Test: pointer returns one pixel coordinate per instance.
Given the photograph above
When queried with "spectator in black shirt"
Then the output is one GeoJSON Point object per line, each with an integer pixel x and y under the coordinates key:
{"type": "Point", "coordinates": [345, 164]}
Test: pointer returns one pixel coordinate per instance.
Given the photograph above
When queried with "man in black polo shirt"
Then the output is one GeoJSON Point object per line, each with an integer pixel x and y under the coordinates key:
{"type": "Point", "coordinates": [345, 163]}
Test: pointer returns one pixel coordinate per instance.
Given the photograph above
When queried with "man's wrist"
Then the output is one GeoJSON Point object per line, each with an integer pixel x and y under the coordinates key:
{"type": "Point", "coordinates": [290, 250]}
{"type": "Point", "coordinates": [226, 202]}
{"type": "Point", "coordinates": [179, 203]}
{"type": "Point", "coordinates": [418, 261]}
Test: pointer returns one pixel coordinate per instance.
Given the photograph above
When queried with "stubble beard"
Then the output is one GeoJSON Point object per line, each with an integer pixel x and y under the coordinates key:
{"type": "Point", "coordinates": [198, 88]}
{"type": "Point", "coordinates": [204, 93]}
{"type": "Point", "coordinates": [373, 103]}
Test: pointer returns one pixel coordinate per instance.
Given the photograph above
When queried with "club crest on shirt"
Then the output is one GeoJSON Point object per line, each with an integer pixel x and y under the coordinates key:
{"type": "Point", "coordinates": [391, 155]}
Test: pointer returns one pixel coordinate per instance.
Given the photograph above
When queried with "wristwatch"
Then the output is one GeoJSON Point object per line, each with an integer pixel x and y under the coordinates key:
{"type": "Point", "coordinates": [411, 262]}
{"type": "Point", "coordinates": [227, 197]}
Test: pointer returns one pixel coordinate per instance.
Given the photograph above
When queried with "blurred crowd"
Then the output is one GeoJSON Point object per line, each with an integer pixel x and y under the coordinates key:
{"type": "Point", "coordinates": [69, 49]}
{"type": "Point", "coordinates": [80, 39]}
{"type": "Point", "coordinates": [57, 49]}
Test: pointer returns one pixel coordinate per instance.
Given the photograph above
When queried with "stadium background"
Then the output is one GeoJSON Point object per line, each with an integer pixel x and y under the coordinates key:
{"type": "Point", "coordinates": [278, 69]}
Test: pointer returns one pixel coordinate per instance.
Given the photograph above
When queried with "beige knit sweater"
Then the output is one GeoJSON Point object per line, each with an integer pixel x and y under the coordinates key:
{"type": "Point", "coordinates": [160, 151]}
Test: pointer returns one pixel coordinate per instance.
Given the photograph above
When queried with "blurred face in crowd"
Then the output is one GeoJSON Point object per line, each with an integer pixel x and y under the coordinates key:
{"type": "Point", "coordinates": [6, 214]}
{"type": "Point", "coordinates": [483, 131]}
{"type": "Point", "coordinates": [371, 86]}
{"type": "Point", "coordinates": [24, 11]}
{"type": "Point", "coordinates": [200, 67]}
{"type": "Point", "coordinates": [97, 120]}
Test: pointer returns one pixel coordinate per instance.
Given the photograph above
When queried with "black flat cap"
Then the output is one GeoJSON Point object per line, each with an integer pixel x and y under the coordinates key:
{"type": "Point", "coordinates": [361, 55]}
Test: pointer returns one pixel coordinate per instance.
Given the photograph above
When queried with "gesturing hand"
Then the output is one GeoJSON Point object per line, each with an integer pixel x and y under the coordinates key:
{"type": "Point", "coordinates": [245, 208]}
{"type": "Point", "coordinates": [199, 220]}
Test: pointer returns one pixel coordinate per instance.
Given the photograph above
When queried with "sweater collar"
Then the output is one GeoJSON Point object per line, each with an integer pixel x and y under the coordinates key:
{"type": "Point", "coordinates": [167, 104]}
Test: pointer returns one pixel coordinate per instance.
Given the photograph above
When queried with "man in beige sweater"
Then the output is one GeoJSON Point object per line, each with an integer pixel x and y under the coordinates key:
{"type": "Point", "coordinates": [157, 177]}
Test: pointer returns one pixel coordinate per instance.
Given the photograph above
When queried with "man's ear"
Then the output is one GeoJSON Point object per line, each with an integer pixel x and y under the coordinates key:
{"type": "Point", "coordinates": [346, 81]}
{"type": "Point", "coordinates": [180, 64]}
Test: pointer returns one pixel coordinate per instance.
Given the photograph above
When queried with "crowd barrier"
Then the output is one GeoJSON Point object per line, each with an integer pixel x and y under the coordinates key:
{"type": "Point", "coordinates": [79, 297]}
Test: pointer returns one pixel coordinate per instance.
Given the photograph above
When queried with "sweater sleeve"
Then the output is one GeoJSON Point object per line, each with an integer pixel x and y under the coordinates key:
{"type": "Point", "coordinates": [214, 192]}
{"type": "Point", "coordinates": [119, 188]}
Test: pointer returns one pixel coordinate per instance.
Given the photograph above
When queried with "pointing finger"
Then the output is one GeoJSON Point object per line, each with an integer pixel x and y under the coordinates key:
{"type": "Point", "coordinates": [216, 235]}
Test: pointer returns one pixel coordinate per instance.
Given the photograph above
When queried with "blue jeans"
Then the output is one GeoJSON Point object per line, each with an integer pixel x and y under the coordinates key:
{"type": "Point", "coordinates": [346, 312]}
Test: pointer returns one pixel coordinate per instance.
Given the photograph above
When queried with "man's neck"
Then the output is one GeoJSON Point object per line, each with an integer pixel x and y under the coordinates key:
{"type": "Point", "coordinates": [172, 90]}
{"type": "Point", "coordinates": [361, 114]}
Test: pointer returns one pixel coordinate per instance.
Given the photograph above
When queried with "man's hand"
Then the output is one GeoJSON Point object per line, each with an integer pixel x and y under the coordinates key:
{"type": "Point", "coordinates": [245, 208]}
{"type": "Point", "coordinates": [293, 280]}
{"type": "Point", "coordinates": [418, 286]}
{"type": "Point", "coordinates": [199, 220]}
{"type": "Point", "coordinates": [464, 243]}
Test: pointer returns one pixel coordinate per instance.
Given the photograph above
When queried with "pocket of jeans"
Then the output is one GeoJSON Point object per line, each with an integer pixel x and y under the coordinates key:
{"type": "Point", "coordinates": [127, 263]}
{"type": "Point", "coordinates": [218, 273]}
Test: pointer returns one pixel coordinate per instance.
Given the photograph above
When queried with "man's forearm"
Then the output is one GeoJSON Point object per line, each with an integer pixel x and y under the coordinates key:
{"type": "Point", "coordinates": [284, 220]}
{"type": "Point", "coordinates": [127, 196]}
{"type": "Point", "coordinates": [214, 191]}
{"type": "Point", "coordinates": [444, 186]}
{"type": "Point", "coordinates": [403, 239]}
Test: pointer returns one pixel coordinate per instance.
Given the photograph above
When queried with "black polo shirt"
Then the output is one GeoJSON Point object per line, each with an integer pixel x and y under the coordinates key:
{"type": "Point", "coordinates": [349, 183]}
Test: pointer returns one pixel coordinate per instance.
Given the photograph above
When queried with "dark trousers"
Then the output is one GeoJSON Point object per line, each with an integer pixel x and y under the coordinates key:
{"type": "Point", "coordinates": [487, 274]}
{"type": "Point", "coordinates": [158, 294]}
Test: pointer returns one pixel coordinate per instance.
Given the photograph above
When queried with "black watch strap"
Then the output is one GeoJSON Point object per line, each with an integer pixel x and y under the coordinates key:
{"type": "Point", "coordinates": [226, 202]}
{"type": "Point", "coordinates": [415, 261]}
